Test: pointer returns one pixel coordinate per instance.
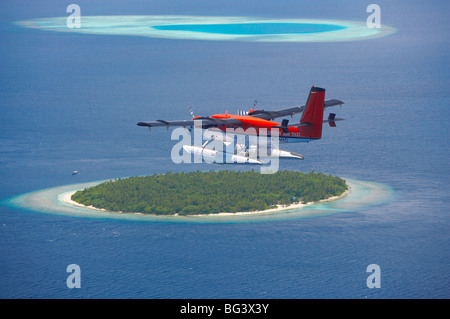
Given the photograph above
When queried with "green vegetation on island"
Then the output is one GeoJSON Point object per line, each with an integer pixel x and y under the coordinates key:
{"type": "Point", "coordinates": [210, 192]}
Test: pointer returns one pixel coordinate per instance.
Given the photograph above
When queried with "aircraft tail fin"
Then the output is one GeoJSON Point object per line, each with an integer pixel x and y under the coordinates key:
{"type": "Point", "coordinates": [312, 116]}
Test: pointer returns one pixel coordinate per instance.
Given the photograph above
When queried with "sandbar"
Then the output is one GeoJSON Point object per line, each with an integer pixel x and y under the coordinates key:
{"type": "Point", "coordinates": [161, 26]}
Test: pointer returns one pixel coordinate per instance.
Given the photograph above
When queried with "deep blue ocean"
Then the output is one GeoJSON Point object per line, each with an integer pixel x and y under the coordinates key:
{"type": "Point", "coordinates": [71, 102]}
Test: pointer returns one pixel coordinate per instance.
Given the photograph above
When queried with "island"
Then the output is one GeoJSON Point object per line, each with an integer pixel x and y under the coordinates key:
{"type": "Point", "coordinates": [211, 192]}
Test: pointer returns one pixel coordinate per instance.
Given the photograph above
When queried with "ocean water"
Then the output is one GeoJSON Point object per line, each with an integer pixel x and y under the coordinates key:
{"type": "Point", "coordinates": [71, 102]}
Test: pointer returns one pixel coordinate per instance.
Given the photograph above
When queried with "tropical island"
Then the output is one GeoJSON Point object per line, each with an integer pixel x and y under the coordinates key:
{"type": "Point", "coordinates": [213, 192]}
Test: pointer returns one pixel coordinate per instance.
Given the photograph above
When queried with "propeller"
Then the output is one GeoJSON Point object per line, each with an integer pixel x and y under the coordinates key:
{"type": "Point", "coordinates": [241, 112]}
{"type": "Point", "coordinates": [192, 114]}
{"type": "Point", "coordinates": [191, 111]}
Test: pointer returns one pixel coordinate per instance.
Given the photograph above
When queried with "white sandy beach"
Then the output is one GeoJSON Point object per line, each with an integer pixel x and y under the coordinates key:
{"type": "Point", "coordinates": [67, 198]}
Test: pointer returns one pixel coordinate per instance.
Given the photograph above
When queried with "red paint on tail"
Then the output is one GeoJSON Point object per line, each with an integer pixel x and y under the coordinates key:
{"type": "Point", "coordinates": [313, 114]}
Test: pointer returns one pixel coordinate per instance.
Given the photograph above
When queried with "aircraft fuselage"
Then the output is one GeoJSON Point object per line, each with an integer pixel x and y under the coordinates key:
{"type": "Point", "coordinates": [251, 124]}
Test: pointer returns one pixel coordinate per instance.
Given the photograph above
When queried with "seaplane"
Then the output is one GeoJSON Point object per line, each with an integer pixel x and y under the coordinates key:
{"type": "Point", "coordinates": [256, 123]}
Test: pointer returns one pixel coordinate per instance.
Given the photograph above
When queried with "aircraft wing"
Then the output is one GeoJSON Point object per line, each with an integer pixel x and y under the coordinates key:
{"type": "Point", "coordinates": [270, 115]}
{"type": "Point", "coordinates": [167, 123]}
{"type": "Point", "coordinates": [204, 121]}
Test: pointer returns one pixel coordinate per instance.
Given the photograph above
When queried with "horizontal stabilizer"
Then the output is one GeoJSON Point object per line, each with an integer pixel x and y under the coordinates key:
{"type": "Point", "coordinates": [332, 120]}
